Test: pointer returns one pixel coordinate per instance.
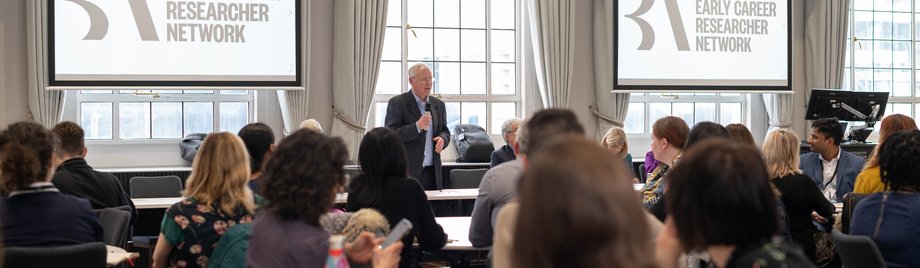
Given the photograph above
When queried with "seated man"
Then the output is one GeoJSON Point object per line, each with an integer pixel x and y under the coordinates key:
{"type": "Point", "coordinates": [506, 152]}
{"type": "Point", "coordinates": [833, 169]}
{"type": "Point", "coordinates": [75, 177]}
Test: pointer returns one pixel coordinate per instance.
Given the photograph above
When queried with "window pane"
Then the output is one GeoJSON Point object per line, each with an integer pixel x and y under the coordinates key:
{"type": "Point", "coordinates": [392, 50]}
{"type": "Point", "coordinates": [198, 117]}
{"type": "Point", "coordinates": [883, 29]}
{"type": "Point", "coordinates": [863, 79]}
{"type": "Point", "coordinates": [389, 78]}
{"type": "Point", "coordinates": [233, 116]}
{"type": "Point", "coordinates": [420, 47]}
{"type": "Point", "coordinates": [132, 91]}
{"type": "Point", "coordinates": [880, 5]}
{"type": "Point", "coordinates": [453, 115]}
{"type": "Point", "coordinates": [448, 45]}
{"type": "Point", "coordinates": [503, 14]}
{"type": "Point", "coordinates": [445, 13]}
{"type": "Point", "coordinates": [199, 92]}
{"type": "Point", "coordinates": [501, 112]}
{"type": "Point", "coordinates": [847, 72]}
{"type": "Point", "coordinates": [900, 54]}
{"type": "Point", "coordinates": [473, 45]}
{"type": "Point", "coordinates": [166, 120]}
{"type": "Point", "coordinates": [473, 79]}
{"type": "Point", "coordinates": [380, 114]}
{"type": "Point", "coordinates": [394, 13]}
{"type": "Point", "coordinates": [863, 53]}
{"type": "Point", "coordinates": [705, 111]}
{"type": "Point", "coordinates": [418, 13]}
{"type": "Point", "coordinates": [503, 79]}
{"type": "Point", "coordinates": [473, 14]}
{"type": "Point", "coordinates": [901, 83]}
{"type": "Point", "coordinates": [657, 111]}
{"type": "Point", "coordinates": [503, 46]}
{"type": "Point", "coordinates": [882, 54]}
{"type": "Point", "coordinates": [897, 108]}
{"type": "Point", "coordinates": [473, 113]}
{"type": "Point", "coordinates": [95, 92]}
{"type": "Point", "coordinates": [96, 120]}
{"type": "Point", "coordinates": [635, 116]}
{"type": "Point", "coordinates": [234, 92]}
{"type": "Point", "coordinates": [730, 113]}
{"type": "Point", "coordinates": [168, 91]}
{"type": "Point", "coordinates": [862, 21]}
{"type": "Point", "coordinates": [134, 120]}
{"type": "Point", "coordinates": [684, 111]}
{"type": "Point", "coordinates": [901, 27]}
{"type": "Point", "coordinates": [882, 80]}
{"type": "Point", "coordinates": [446, 77]}
{"type": "Point", "coordinates": [901, 5]}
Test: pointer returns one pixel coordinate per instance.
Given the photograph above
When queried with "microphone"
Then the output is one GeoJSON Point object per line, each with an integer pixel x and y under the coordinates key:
{"type": "Point", "coordinates": [428, 113]}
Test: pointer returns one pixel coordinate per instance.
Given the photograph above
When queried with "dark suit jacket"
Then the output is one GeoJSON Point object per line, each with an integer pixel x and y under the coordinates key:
{"type": "Point", "coordinates": [402, 113]}
{"type": "Point", "coordinates": [75, 177]}
{"type": "Point", "coordinates": [848, 167]}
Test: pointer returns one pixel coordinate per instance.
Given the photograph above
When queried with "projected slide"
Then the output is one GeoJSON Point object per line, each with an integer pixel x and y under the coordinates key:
{"type": "Point", "coordinates": [702, 44]}
{"type": "Point", "coordinates": [174, 43]}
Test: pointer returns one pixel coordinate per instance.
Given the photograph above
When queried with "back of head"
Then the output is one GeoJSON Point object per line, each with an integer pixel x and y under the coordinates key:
{"type": "Point", "coordinates": [615, 136]}
{"type": "Point", "coordinates": [258, 138]}
{"type": "Point", "coordinates": [71, 136]}
{"type": "Point", "coordinates": [720, 195]}
{"type": "Point", "coordinates": [311, 124]}
{"type": "Point", "coordinates": [382, 156]}
{"type": "Point", "coordinates": [740, 133]}
{"type": "Point", "coordinates": [673, 129]}
{"type": "Point", "coordinates": [705, 130]}
{"type": "Point", "coordinates": [898, 160]}
{"type": "Point", "coordinates": [830, 127]}
{"type": "Point", "coordinates": [547, 124]}
{"type": "Point", "coordinates": [303, 175]}
{"type": "Point", "coordinates": [781, 153]}
{"type": "Point", "coordinates": [220, 173]}
{"type": "Point", "coordinates": [587, 209]}
{"type": "Point", "coordinates": [26, 149]}
{"type": "Point", "coordinates": [890, 125]}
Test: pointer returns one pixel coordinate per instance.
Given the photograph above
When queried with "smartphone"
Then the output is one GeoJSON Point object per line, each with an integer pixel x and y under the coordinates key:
{"type": "Point", "coordinates": [399, 231]}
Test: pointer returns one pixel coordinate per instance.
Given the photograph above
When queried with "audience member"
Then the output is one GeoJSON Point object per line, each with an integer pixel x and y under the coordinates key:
{"type": "Point", "coordinates": [260, 143]}
{"type": "Point", "coordinates": [384, 185]}
{"type": "Point", "coordinates": [75, 177]}
{"type": "Point", "coordinates": [720, 201]}
{"type": "Point", "coordinates": [36, 213]}
{"type": "Point", "coordinates": [311, 124]}
{"type": "Point", "coordinates": [890, 218]}
{"type": "Point", "coordinates": [615, 141]}
{"type": "Point", "coordinates": [800, 196]}
{"type": "Point", "coordinates": [740, 133]}
{"type": "Point", "coordinates": [216, 198]}
{"type": "Point", "coordinates": [497, 188]}
{"type": "Point", "coordinates": [650, 163]}
{"type": "Point", "coordinates": [593, 219]}
{"type": "Point", "coordinates": [669, 134]}
{"type": "Point", "coordinates": [832, 169]}
{"type": "Point", "coordinates": [300, 186]}
{"type": "Point", "coordinates": [870, 180]}
{"type": "Point", "coordinates": [506, 152]}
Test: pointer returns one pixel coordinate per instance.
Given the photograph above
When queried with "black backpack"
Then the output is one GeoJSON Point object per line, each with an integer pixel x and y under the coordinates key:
{"type": "Point", "coordinates": [473, 143]}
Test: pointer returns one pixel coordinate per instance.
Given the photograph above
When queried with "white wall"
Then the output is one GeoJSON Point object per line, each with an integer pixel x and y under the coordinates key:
{"type": "Point", "coordinates": [13, 97]}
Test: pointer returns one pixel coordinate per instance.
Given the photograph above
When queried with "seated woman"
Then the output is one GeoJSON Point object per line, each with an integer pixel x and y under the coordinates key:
{"type": "Point", "coordinates": [260, 143]}
{"type": "Point", "coordinates": [890, 218]}
{"type": "Point", "coordinates": [593, 218]}
{"type": "Point", "coordinates": [719, 200]}
{"type": "Point", "coordinates": [740, 133]}
{"type": "Point", "coordinates": [870, 180]}
{"type": "Point", "coordinates": [668, 137]}
{"type": "Point", "coordinates": [386, 187]}
{"type": "Point", "coordinates": [216, 198]}
{"type": "Point", "coordinates": [799, 194]}
{"type": "Point", "coordinates": [35, 213]}
{"type": "Point", "coordinates": [615, 141]}
{"type": "Point", "coordinates": [301, 180]}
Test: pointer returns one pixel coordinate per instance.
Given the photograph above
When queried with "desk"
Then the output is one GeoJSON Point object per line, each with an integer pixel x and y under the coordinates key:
{"type": "Point", "coordinates": [434, 195]}
{"type": "Point", "coordinates": [151, 203]}
{"type": "Point", "coordinates": [457, 229]}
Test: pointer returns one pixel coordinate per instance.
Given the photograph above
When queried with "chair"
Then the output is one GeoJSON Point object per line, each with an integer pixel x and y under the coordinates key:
{"type": "Point", "coordinates": [642, 175]}
{"type": "Point", "coordinates": [152, 187]}
{"type": "Point", "coordinates": [466, 178]}
{"type": "Point", "coordinates": [849, 204]}
{"type": "Point", "coordinates": [86, 255]}
{"type": "Point", "coordinates": [857, 250]}
{"type": "Point", "coordinates": [115, 225]}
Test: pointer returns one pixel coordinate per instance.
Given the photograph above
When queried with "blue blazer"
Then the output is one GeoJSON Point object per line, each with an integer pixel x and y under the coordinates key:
{"type": "Point", "coordinates": [848, 167]}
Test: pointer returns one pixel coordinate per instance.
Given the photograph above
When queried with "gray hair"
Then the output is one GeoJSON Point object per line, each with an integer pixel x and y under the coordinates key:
{"type": "Point", "coordinates": [415, 68]}
{"type": "Point", "coordinates": [508, 126]}
{"type": "Point", "coordinates": [522, 139]}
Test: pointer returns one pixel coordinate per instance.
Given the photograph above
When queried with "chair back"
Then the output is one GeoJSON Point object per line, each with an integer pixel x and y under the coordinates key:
{"type": "Point", "coordinates": [857, 250]}
{"type": "Point", "coordinates": [115, 224]}
{"type": "Point", "coordinates": [152, 187]}
{"type": "Point", "coordinates": [86, 255]}
{"type": "Point", "coordinates": [642, 175]}
{"type": "Point", "coordinates": [466, 178]}
{"type": "Point", "coordinates": [849, 204]}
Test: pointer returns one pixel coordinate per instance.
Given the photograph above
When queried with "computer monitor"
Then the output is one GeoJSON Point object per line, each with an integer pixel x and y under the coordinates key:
{"type": "Point", "coordinates": [825, 103]}
{"type": "Point", "coordinates": [870, 104]}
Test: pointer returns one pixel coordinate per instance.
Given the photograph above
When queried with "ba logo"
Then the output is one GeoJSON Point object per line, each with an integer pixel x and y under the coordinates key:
{"type": "Point", "coordinates": [648, 33]}
{"type": "Point", "coordinates": [99, 22]}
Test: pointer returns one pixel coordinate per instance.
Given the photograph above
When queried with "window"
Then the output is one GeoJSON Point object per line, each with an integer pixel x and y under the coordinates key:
{"type": "Point", "coordinates": [472, 49]}
{"type": "Point", "coordinates": [161, 114]}
{"type": "Point", "coordinates": [881, 55]}
{"type": "Point", "coordinates": [646, 108]}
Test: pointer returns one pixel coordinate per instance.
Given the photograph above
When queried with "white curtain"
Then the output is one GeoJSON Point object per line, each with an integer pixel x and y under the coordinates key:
{"type": "Point", "coordinates": [45, 106]}
{"type": "Point", "coordinates": [294, 103]}
{"type": "Point", "coordinates": [553, 42]}
{"type": "Point", "coordinates": [609, 108]}
{"type": "Point", "coordinates": [779, 110]}
{"type": "Point", "coordinates": [358, 44]}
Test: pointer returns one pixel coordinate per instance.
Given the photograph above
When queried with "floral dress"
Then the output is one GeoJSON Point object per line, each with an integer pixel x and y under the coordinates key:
{"type": "Point", "coordinates": [193, 230]}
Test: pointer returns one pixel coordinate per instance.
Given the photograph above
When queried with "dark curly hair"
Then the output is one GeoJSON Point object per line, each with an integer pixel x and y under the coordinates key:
{"type": "Point", "coordinates": [830, 127]}
{"type": "Point", "coordinates": [382, 156]}
{"type": "Point", "coordinates": [258, 138]}
{"type": "Point", "coordinates": [71, 136]}
{"type": "Point", "coordinates": [302, 176]}
{"type": "Point", "coordinates": [898, 160]}
{"type": "Point", "coordinates": [26, 149]}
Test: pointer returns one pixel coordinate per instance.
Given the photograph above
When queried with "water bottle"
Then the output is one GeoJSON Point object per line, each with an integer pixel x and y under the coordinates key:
{"type": "Point", "coordinates": [337, 257]}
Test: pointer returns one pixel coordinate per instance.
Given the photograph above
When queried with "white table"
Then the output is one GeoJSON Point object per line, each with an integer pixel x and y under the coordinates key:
{"type": "Point", "coordinates": [638, 186]}
{"type": "Point", "coordinates": [457, 229]}
{"type": "Point", "coordinates": [150, 203]}
{"type": "Point", "coordinates": [446, 194]}
{"type": "Point", "coordinates": [115, 255]}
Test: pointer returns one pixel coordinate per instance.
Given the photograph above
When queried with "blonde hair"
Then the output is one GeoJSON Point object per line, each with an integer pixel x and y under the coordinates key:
{"type": "Point", "coordinates": [616, 136]}
{"type": "Point", "coordinates": [311, 124]}
{"type": "Point", "coordinates": [781, 153]}
{"type": "Point", "coordinates": [220, 174]}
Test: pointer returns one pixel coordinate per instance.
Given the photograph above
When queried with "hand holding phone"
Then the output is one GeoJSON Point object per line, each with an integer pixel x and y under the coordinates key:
{"type": "Point", "coordinates": [399, 231]}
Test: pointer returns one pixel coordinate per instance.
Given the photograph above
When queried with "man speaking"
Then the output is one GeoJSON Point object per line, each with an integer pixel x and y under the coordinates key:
{"type": "Point", "coordinates": [419, 119]}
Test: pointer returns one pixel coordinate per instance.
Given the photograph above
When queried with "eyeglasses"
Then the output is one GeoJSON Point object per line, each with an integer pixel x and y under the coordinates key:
{"type": "Point", "coordinates": [429, 79]}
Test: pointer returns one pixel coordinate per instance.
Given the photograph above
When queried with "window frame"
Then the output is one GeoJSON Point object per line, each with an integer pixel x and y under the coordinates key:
{"type": "Point", "coordinates": [716, 98]}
